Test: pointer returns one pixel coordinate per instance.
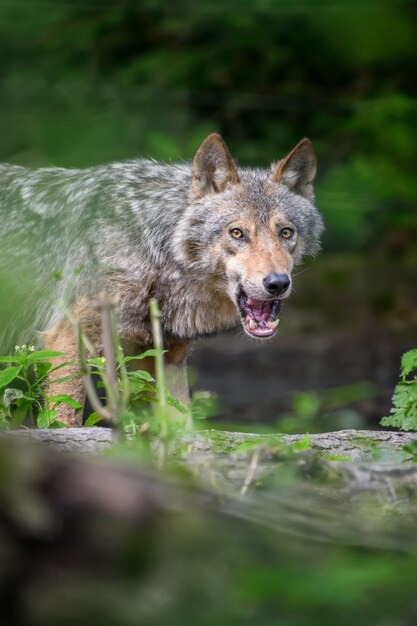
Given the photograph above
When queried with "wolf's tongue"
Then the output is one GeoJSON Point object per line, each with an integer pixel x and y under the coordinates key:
{"type": "Point", "coordinates": [259, 309]}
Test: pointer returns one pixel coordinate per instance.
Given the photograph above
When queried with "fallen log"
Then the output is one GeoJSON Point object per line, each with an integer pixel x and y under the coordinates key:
{"type": "Point", "coordinates": [361, 460]}
{"type": "Point", "coordinates": [356, 445]}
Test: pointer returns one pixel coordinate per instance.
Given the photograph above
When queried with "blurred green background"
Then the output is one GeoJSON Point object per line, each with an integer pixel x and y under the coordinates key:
{"type": "Point", "coordinates": [83, 83]}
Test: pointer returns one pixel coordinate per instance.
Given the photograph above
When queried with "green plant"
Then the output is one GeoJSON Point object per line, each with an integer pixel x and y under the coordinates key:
{"type": "Point", "coordinates": [136, 403]}
{"type": "Point", "coordinates": [313, 411]}
{"type": "Point", "coordinates": [404, 411]}
{"type": "Point", "coordinates": [23, 389]}
{"type": "Point", "coordinates": [24, 394]}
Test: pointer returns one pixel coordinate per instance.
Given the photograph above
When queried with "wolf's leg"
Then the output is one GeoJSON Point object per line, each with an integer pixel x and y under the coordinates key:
{"type": "Point", "coordinates": [177, 381]}
{"type": "Point", "coordinates": [176, 372]}
{"type": "Point", "coordinates": [62, 339]}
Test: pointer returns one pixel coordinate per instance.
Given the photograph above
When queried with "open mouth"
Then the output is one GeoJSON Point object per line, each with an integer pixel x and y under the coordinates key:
{"type": "Point", "coordinates": [259, 317]}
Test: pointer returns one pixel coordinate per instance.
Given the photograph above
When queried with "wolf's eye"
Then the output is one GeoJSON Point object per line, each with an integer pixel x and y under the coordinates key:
{"type": "Point", "coordinates": [236, 233]}
{"type": "Point", "coordinates": [286, 233]}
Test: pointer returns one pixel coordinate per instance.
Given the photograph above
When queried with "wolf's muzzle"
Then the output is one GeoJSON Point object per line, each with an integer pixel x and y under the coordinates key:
{"type": "Point", "coordinates": [276, 284]}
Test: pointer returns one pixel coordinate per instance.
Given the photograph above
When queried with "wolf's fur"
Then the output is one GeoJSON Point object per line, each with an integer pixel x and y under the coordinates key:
{"type": "Point", "coordinates": [142, 229]}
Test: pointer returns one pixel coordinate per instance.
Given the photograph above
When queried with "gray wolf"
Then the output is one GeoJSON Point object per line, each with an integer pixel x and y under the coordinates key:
{"type": "Point", "coordinates": [214, 243]}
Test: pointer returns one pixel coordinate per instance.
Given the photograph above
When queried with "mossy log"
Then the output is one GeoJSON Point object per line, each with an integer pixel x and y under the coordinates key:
{"type": "Point", "coordinates": [356, 445]}
{"type": "Point", "coordinates": [358, 460]}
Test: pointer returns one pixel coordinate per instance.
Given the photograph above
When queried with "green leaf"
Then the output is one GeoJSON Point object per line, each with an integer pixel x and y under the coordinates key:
{"type": "Point", "coordinates": [57, 424]}
{"type": "Point", "coordinates": [42, 368]}
{"type": "Point", "coordinates": [61, 398]}
{"type": "Point", "coordinates": [46, 417]}
{"type": "Point", "coordinates": [137, 386]}
{"type": "Point", "coordinates": [401, 394]}
{"type": "Point", "coordinates": [92, 420]}
{"type": "Point", "coordinates": [175, 403]}
{"type": "Point", "coordinates": [249, 446]}
{"type": "Point", "coordinates": [302, 444]}
{"type": "Point", "coordinates": [9, 359]}
{"type": "Point", "coordinates": [411, 448]}
{"type": "Point", "coordinates": [9, 374]}
{"type": "Point", "coordinates": [391, 420]}
{"type": "Point", "coordinates": [10, 395]}
{"type": "Point", "coordinates": [97, 361]}
{"type": "Point", "coordinates": [408, 362]}
{"type": "Point", "coordinates": [404, 399]}
{"type": "Point", "coordinates": [152, 352]}
{"type": "Point", "coordinates": [399, 419]}
{"type": "Point", "coordinates": [143, 375]}
{"type": "Point", "coordinates": [43, 354]}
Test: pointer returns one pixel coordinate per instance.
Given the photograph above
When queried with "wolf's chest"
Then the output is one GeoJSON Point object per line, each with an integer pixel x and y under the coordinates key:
{"type": "Point", "coordinates": [188, 310]}
{"type": "Point", "coordinates": [190, 315]}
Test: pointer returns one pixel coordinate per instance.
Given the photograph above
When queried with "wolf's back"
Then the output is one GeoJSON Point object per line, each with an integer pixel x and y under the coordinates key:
{"type": "Point", "coordinates": [64, 230]}
{"type": "Point", "coordinates": [40, 239]}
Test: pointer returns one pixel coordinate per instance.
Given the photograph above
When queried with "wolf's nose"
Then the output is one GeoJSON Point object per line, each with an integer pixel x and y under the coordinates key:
{"type": "Point", "coordinates": [276, 284]}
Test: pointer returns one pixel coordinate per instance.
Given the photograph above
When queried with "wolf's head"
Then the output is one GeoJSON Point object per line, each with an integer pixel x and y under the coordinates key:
{"type": "Point", "coordinates": [245, 228]}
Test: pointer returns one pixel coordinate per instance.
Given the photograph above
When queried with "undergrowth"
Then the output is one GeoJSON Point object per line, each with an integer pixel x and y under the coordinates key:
{"type": "Point", "coordinates": [131, 401]}
{"type": "Point", "coordinates": [404, 411]}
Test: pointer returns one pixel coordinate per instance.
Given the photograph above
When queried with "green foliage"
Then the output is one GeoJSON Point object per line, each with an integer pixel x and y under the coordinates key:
{"type": "Point", "coordinates": [23, 381]}
{"type": "Point", "coordinates": [121, 80]}
{"type": "Point", "coordinates": [204, 405]}
{"type": "Point", "coordinates": [411, 450]}
{"type": "Point", "coordinates": [302, 444]}
{"type": "Point", "coordinates": [25, 399]}
{"type": "Point", "coordinates": [313, 411]}
{"type": "Point", "coordinates": [404, 412]}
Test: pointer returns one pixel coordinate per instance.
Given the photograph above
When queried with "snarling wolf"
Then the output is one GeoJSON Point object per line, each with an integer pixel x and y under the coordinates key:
{"type": "Point", "coordinates": [214, 243]}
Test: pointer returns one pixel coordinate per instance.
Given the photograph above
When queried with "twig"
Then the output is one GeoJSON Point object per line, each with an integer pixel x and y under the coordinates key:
{"type": "Point", "coordinates": [161, 393]}
{"type": "Point", "coordinates": [251, 472]}
{"type": "Point", "coordinates": [88, 382]}
{"type": "Point", "coordinates": [115, 404]}
{"type": "Point", "coordinates": [106, 307]}
{"type": "Point", "coordinates": [159, 358]}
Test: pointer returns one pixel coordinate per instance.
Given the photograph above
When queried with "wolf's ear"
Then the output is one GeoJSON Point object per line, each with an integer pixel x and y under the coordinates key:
{"type": "Point", "coordinates": [213, 167]}
{"type": "Point", "coordinates": [298, 169]}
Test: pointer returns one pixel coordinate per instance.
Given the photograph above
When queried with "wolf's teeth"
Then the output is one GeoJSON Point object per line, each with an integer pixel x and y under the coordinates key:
{"type": "Point", "coordinates": [252, 324]}
{"type": "Point", "coordinates": [273, 324]}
